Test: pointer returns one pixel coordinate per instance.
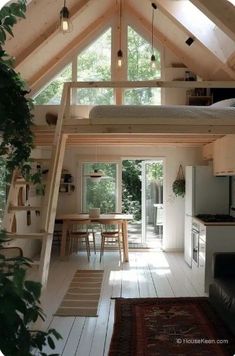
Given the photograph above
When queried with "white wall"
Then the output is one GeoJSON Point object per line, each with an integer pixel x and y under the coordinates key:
{"type": "Point", "coordinates": [173, 157]}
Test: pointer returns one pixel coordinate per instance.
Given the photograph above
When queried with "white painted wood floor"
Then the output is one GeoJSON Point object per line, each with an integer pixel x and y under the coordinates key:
{"type": "Point", "coordinates": [148, 274]}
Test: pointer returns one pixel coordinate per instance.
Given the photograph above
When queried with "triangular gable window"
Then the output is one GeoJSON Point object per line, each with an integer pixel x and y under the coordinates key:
{"type": "Point", "coordinates": [139, 68]}
{"type": "Point", "coordinates": [94, 64]}
{"type": "Point", "coordinates": [51, 94]}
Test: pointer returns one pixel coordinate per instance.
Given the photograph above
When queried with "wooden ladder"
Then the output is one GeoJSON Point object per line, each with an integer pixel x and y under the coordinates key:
{"type": "Point", "coordinates": [48, 205]}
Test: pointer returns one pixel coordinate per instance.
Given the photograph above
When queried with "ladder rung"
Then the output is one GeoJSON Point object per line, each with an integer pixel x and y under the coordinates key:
{"type": "Point", "coordinates": [24, 208]}
{"type": "Point", "coordinates": [22, 181]}
{"type": "Point", "coordinates": [27, 235]}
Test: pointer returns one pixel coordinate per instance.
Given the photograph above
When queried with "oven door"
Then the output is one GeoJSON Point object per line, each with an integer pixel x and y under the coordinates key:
{"type": "Point", "coordinates": [195, 245]}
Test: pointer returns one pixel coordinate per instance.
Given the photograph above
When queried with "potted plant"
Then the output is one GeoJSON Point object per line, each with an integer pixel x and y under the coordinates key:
{"type": "Point", "coordinates": [15, 106]}
{"type": "Point", "coordinates": [20, 308]}
{"type": "Point", "coordinates": [178, 185]}
{"type": "Point", "coordinates": [19, 298]}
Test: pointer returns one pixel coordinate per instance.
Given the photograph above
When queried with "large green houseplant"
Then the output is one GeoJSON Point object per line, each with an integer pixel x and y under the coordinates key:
{"type": "Point", "coordinates": [19, 298]}
{"type": "Point", "coordinates": [19, 309]}
{"type": "Point", "coordinates": [15, 107]}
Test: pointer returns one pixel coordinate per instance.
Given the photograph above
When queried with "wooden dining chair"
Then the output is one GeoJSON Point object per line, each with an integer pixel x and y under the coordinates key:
{"type": "Point", "coordinates": [111, 233]}
{"type": "Point", "coordinates": [78, 230]}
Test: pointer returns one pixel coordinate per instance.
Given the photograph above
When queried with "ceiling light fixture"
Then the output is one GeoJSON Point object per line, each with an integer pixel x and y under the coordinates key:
{"type": "Point", "coordinates": [119, 53]}
{"type": "Point", "coordinates": [65, 23]}
{"type": "Point", "coordinates": [153, 58]}
{"type": "Point", "coordinates": [96, 175]}
{"type": "Point", "coordinates": [189, 41]}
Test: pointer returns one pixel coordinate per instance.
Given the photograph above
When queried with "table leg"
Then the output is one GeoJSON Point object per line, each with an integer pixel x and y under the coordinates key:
{"type": "Point", "coordinates": [63, 239]}
{"type": "Point", "coordinates": [125, 240]}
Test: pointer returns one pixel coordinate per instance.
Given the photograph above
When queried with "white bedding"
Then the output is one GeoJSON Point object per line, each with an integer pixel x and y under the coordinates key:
{"type": "Point", "coordinates": [142, 112]}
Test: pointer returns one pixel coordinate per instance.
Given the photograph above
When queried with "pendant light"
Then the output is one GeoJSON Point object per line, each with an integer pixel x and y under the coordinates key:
{"type": "Point", "coordinates": [96, 174]}
{"type": "Point", "coordinates": [153, 58]}
{"type": "Point", "coordinates": [119, 53]}
{"type": "Point", "coordinates": [65, 23]}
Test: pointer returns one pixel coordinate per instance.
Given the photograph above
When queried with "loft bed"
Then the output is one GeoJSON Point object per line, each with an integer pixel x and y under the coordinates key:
{"type": "Point", "coordinates": [215, 120]}
{"type": "Point", "coordinates": [160, 114]}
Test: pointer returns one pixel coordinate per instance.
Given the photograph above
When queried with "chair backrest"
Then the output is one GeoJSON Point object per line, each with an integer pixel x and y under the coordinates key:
{"type": "Point", "coordinates": [79, 225]}
{"type": "Point", "coordinates": [111, 225]}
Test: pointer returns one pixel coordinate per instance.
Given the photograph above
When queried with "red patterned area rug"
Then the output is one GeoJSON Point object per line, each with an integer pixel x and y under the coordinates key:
{"type": "Point", "coordinates": [167, 327]}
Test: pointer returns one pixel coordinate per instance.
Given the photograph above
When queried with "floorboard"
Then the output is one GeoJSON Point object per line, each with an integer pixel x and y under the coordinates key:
{"type": "Point", "coordinates": [148, 274]}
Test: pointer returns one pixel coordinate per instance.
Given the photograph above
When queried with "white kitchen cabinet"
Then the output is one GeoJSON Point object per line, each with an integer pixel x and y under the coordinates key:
{"type": "Point", "coordinates": [223, 155]}
{"type": "Point", "coordinates": [207, 151]}
{"type": "Point", "coordinates": [211, 239]}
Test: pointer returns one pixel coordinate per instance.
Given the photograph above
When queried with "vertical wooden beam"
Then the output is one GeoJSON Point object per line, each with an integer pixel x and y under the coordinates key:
{"type": "Point", "coordinates": [52, 188]}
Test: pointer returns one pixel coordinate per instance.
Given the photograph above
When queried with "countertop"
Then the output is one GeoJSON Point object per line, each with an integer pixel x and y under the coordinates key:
{"type": "Point", "coordinates": [217, 223]}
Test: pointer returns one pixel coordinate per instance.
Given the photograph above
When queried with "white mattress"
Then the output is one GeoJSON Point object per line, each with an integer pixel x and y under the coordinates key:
{"type": "Point", "coordinates": [99, 114]}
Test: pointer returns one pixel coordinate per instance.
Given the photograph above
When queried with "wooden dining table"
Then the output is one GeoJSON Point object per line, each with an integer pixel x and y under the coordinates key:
{"type": "Point", "coordinates": [66, 218]}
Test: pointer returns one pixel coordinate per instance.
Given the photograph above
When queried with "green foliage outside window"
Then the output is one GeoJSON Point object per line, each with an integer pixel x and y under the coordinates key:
{"type": "Point", "coordinates": [52, 93]}
{"type": "Point", "coordinates": [131, 188]}
{"type": "Point", "coordinates": [139, 68]}
{"type": "Point", "coordinates": [94, 64]}
{"type": "Point", "coordinates": [100, 194]}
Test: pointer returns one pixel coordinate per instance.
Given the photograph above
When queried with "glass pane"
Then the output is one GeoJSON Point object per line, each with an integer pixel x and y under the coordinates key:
{"type": "Point", "coordinates": [143, 96]}
{"type": "Point", "coordinates": [94, 64]}
{"type": "Point", "coordinates": [154, 203]}
{"type": "Point", "coordinates": [100, 194]}
{"type": "Point", "coordinates": [139, 68]}
{"type": "Point", "coordinates": [51, 94]}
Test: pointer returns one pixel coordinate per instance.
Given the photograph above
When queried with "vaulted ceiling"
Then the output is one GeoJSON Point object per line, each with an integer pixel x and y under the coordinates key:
{"type": "Point", "coordinates": [40, 49]}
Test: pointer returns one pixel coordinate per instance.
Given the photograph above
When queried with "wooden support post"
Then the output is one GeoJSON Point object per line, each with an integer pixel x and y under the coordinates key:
{"type": "Point", "coordinates": [45, 258]}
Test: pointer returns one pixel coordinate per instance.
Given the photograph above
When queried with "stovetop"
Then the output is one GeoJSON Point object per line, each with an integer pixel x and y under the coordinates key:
{"type": "Point", "coordinates": [215, 217]}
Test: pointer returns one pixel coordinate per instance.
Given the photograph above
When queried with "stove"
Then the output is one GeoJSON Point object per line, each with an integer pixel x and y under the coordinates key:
{"type": "Point", "coordinates": [215, 218]}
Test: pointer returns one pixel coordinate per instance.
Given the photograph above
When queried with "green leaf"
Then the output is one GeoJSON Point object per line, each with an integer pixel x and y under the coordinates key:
{"type": "Point", "coordinates": [51, 342]}
{"type": "Point", "coordinates": [34, 288]}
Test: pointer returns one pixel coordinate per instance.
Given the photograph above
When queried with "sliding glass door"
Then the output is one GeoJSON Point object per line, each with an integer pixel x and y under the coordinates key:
{"type": "Point", "coordinates": [142, 196]}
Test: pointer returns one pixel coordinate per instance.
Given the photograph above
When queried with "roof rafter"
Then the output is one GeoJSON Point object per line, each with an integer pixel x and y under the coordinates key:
{"type": "Point", "coordinates": [191, 63]}
{"type": "Point", "coordinates": [221, 12]}
{"type": "Point", "coordinates": [181, 12]}
{"type": "Point", "coordinates": [81, 41]}
{"type": "Point", "coordinates": [51, 32]}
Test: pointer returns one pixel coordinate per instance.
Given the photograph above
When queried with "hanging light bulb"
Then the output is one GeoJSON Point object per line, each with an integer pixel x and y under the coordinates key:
{"type": "Point", "coordinates": [153, 62]}
{"type": "Point", "coordinates": [119, 53]}
{"type": "Point", "coordinates": [120, 58]}
{"type": "Point", "coordinates": [65, 24]}
{"type": "Point", "coordinates": [153, 58]}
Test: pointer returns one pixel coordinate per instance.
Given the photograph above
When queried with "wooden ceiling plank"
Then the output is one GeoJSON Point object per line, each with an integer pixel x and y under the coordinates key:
{"type": "Point", "coordinates": [80, 41]}
{"type": "Point", "coordinates": [51, 32]}
{"type": "Point", "coordinates": [191, 62]}
{"type": "Point", "coordinates": [181, 12]}
{"type": "Point", "coordinates": [221, 12]}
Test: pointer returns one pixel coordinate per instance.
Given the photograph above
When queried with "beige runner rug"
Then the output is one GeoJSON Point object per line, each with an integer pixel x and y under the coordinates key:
{"type": "Point", "coordinates": [83, 294]}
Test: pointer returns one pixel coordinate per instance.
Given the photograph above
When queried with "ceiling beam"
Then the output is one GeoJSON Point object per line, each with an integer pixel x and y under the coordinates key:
{"type": "Point", "coordinates": [181, 13]}
{"type": "Point", "coordinates": [221, 12]}
{"type": "Point", "coordinates": [81, 41]}
{"type": "Point", "coordinates": [140, 22]}
{"type": "Point", "coordinates": [51, 31]}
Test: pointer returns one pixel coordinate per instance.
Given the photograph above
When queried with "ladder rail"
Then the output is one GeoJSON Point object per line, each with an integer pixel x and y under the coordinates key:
{"type": "Point", "coordinates": [51, 193]}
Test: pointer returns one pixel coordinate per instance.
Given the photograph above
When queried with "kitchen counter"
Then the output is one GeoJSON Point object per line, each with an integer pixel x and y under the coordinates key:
{"type": "Point", "coordinates": [212, 237]}
{"type": "Point", "coordinates": [214, 223]}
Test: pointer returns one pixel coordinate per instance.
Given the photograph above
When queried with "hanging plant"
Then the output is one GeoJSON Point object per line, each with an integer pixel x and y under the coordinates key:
{"type": "Point", "coordinates": [15, 107]}
{"type": "Point", "coordinates": [178, 185]}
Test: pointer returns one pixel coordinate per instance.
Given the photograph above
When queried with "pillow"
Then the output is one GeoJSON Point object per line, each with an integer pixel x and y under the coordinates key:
{"type": "Point", "coordinates": [224, 103]}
